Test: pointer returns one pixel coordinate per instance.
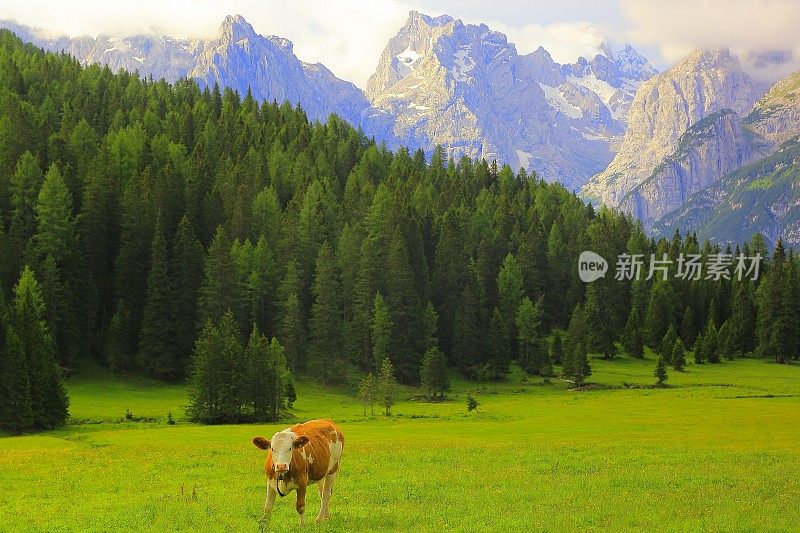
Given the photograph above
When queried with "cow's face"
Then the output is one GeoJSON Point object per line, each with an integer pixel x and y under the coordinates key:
{"type": "Point", "coordinates": [282, 445]}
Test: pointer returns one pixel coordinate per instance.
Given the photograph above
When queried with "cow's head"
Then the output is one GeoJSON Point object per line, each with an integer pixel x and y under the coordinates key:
{"type": "Point", "coordinates": [282, 444]}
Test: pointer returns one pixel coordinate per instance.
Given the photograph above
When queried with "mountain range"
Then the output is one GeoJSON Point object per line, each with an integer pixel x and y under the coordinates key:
{"type": "Point", "coordinates": [699, 146]}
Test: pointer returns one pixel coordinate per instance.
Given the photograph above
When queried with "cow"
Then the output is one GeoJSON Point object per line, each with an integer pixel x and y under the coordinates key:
{"type": "Point", "coordinates": [304, 453]}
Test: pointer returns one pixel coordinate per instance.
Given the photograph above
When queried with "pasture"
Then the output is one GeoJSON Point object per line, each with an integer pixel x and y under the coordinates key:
{"type": "Point", "coordinates": [719, 450]}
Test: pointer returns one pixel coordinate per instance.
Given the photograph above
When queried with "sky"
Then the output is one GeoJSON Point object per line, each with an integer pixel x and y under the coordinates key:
{"type": "Point", "coordinates": [348, 36]}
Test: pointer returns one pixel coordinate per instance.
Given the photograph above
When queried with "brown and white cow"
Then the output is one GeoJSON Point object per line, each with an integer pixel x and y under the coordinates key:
{"type": "Point", "coordinates": [304, 453]}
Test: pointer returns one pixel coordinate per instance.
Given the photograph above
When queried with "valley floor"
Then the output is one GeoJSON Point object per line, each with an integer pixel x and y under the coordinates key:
{"type": "Point", "coordinates": [719, 450]}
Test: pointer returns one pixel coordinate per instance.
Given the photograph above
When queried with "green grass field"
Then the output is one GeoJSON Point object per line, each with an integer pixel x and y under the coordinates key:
{"type": "Point", "coordinates": [719, 451]}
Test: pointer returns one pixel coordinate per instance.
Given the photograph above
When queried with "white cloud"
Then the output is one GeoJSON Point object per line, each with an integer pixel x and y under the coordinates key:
{"type": "Point", "coordinates": [349, 35]}
{"type": "Point", "coordinates": [346, 35]}
{"type": "Point", "coordinates": [566, 41]}
{"type": "Point", "coordinates": [745, 26]}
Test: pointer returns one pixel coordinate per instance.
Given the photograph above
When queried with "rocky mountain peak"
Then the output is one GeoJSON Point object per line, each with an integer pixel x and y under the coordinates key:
{"type": "Point", "coordinates": [665, 106]}
{"type": "Point", "coordinates": [234, 28]}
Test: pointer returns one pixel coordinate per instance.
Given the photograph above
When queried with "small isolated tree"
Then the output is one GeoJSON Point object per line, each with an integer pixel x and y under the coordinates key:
{"type": "Point", "coordinates": [700, 349]}
{"type": "Point", "coordinates": [366, 393]}
{"type": "Point", "coordinates": [668, 343]}
{"type": "Point", "coordinates": [679, 356]}
{"type": "Point", "coordinates": [433, 373]}
{"type": "Point", "coordinates": [661, 371]}
{"type": "Point", "coordinates": [472, 403]}
{"type": "Point", "coordinates": [387, 383]}
{"type": "Point", "coordinates": [580, 365]}
{"type": "Point", "coordinates": [711, 336]}
{"type": "Point", "coordinates": [724, 341]}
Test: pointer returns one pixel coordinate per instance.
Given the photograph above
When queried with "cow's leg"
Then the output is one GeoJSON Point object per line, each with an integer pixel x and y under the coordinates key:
{"type": "Point", "coordinates": [324, 511]}
{"type": "Point", "coordinates": [268, 503]}
{"type": "Point", "coordinates": [320, 487]}
{"type": "Point", "coordinates": [301, 504]}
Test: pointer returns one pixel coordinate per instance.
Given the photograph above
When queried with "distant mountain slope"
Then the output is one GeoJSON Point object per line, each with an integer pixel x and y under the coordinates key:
{"type": "Point", "coordinates": [663, 109]}
{"type": "Point", "coordinates": [760, 196]}
{"type": "Point", "coordinates": [465, 87]}
{"type": "Point", "coordinates": [237, 57]}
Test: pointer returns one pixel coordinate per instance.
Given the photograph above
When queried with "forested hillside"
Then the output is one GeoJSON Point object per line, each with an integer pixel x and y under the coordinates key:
{"type": "Point", "coordinates": [146, 212]}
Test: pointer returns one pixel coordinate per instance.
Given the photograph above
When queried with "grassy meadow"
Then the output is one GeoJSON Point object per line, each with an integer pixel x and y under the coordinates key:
{"type": "Point", "coordinates": [719, 450]}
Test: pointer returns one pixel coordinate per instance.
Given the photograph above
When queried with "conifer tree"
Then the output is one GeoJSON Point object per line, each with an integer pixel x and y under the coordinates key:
{"type": "Point", "coordinates": [532, 350]}
{"type": "Point", "coordinates": [557, 349]}
{"type": "Point", "coordinates": [599, 336]}
{"type": "Point", "coordinates": [661, 371]}
{"type": "Point", "coordinates": [668, 344]}
{"type": "Point", "coordinates": [688, 331]}
{"type": "Point", "coordinates": [469, 323]}
{"type": "Point", "coordinates": [633, 334]}
{"type": "Point", "coordinates": [575, 336]}
{"type": "Point", "coordinates": [49, 400]}
{"type": "Point", "coordinates": [52, 250]}
{"type": "Point", "coordinates": [219, 290]}
{"type": "Point", "coordinates": [291, 322]}
{"type": "Point", "coordinates": [711, 341]}
{"type": "Point", "coordinates": [381, 330]}
{"type": "Point", "coordinates": [724, 342]}
{"type": "Point", "coordinates": [218, 391]}
{"type": "Point", "coordinates": [326, 319]}
{"type": "Point", "coordinates": [429, 327]}
{"type": "Point", "coordinates": [661, 311]}
{"type": "Point", "coordinates": [188, 257]}
{"type": "Point", "coordinates": [700, 349]}
{"type": "Point", "coordinates": [498, 346]}
{"type": "Point", "coordinates": [267, 376]}
{"type": "Point", "coordinates": [387, 386]}
{"type": "Point", "coordinates": [678, 356]}
{"type": "Point", "coordinates": [116, 343]}
{"type": "Point", "coordinates": [510, 290]}
{"type": "Point", "coordinates": [433, 373]}
{"type": "Point", "coordinates": [580, 368]}
{"type": "Point", "coordinates": [16, 412]}
{"type": "Point", "coordinates": [157, 340]}
{"type": "Point", "coordinates": [367, 393]}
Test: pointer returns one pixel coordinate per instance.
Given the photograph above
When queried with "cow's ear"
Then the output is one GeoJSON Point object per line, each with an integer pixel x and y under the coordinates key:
{"type": "Point", "coordinates": [261, 442]}
{"type": "Point", "coordinates": [300, 441]}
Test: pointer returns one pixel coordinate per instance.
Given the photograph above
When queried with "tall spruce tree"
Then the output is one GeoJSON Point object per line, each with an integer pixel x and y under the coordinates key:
{"type": "Point", "coordinates": [188, 257]}
{"type": "Point", "coordinates": [219, 290]}
{"type": "Point", "coordinates": [53, 250]}
{"type": "Point", "coordinates": [49, 400]}
{"type": "Point", "coordinates": [325, 322]}
{"type": "Point", "coordinates": [16, 412]}
{"type": "Point", "coordinates": [158, 356]}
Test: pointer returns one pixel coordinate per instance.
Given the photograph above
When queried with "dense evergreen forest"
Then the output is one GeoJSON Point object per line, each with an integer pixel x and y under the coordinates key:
{"type": "Point", "coordinates": [174, 232]}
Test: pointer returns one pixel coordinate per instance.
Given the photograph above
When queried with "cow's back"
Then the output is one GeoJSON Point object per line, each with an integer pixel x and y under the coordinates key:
{"type": "Point", "coordinates": [324, 448]}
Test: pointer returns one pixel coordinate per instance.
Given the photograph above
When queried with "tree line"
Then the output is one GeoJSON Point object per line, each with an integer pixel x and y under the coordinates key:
{"type": "Point", "coordinates": [147, 211]}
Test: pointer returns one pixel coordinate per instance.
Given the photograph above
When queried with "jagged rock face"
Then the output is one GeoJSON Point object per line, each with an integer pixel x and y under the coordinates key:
{"type": "Point", "coordinates": [776, 117]}
{"type": "Point", "coordinates": [762, 197]}
{"type": "Point", "coordinates": [666, 106]}
{"type": "Point", "coordinates": [742, 177]}
{"type": "Point", "coordinates": [710, 149]}
{"type": "Point", "coordinates": [466, 88]}
{"type": "Point", "coordinates": [438, 81]}
{"type": "Point", "coordinates": [238, 58]}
